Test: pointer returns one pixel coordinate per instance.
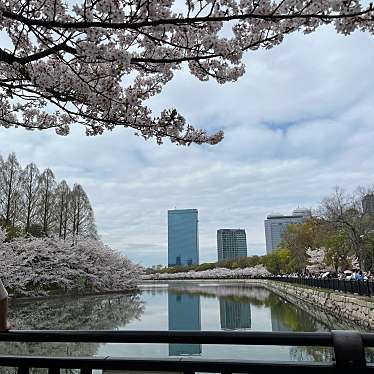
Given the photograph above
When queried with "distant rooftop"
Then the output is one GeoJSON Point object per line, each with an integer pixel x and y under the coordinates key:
{"type": "Point", "coordinates": [279, 216]}
{"type": "Point", "coordinates": [297, 213]}
{"type": "Point", "coordinates": [230, 230]}
{"type": "Point", "coordinates": [178, 211]}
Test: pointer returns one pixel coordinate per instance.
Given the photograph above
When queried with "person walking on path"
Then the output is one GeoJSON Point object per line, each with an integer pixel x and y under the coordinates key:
{"type": "Point", "coordinates": [4, 326]}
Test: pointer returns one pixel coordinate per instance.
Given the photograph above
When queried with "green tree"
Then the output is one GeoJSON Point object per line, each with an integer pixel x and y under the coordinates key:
{"type": "Point", "coordinates": [337, 250]}
{"type": "Point", "coordinates": [280, 261]}
{"type": "Point", "coordinates": [345, 212]}
{"type": "Point", "coordinates": [298, 238]}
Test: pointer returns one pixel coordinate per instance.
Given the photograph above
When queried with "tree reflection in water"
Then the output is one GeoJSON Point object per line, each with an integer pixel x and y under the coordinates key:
{"type": "Point", "coordinates": [241, 307]}
{"type": "Point", "coordinates": [106, 312]}
{"type": "Point", "coordinates": [235, 300]}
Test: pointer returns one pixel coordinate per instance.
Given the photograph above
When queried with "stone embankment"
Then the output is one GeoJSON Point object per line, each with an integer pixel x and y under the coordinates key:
{"type": "Point", "coordinates": [353, 308]}
{"type": "Point", "coordinates": [326, 305]}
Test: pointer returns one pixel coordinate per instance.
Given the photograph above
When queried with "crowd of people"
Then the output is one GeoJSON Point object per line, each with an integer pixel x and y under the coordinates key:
{"type": "Point", "coordinates": [356, 275]}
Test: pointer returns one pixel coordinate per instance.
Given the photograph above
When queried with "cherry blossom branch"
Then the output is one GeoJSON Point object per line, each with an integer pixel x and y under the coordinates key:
{"type": "Point", "coordinates": [97, 62]}
{"type": "Point", "coordinates": [183, 21]}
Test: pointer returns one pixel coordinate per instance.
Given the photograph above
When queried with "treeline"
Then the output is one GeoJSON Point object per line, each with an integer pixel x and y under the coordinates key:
{"type": "Point", "coordinates": [341, 232]}
{"type": "Point", "coordinates": [33, 203]}
{"type": "Point", "coordinates": [239, 263]}
{"type": "Point", "coordinates": [343, 227]}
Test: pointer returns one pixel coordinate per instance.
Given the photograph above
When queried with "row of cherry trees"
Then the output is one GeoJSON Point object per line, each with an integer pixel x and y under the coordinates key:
{"type": "Point", "coordinates": [33, 202]}
{"type": "Point", "coordinates": [217, 273]}
{"type": "Point", "coordinates": [43, 266]}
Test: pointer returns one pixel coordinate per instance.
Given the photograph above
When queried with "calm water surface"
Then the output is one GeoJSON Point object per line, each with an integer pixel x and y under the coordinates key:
{"type": "Point", "coordinates": [177, 306]}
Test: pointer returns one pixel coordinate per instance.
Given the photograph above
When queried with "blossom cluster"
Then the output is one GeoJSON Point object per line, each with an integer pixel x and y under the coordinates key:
{"type": "Point", "coordinates": [317, 262]}
{"type": "Point", "coordinates": [218, 273]}
{"type": "Point", "coordinates": [97, 63]}
{"type": "Point", "coordinates": [43, 266]}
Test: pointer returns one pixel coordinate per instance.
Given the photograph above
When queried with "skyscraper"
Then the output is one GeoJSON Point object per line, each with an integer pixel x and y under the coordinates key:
{"type": "Point", "coordinates": [276, 224]}
{"type": "Point", "coordinates": [231, 243]}
{"type": "Point", "coordinates": [183, 237]}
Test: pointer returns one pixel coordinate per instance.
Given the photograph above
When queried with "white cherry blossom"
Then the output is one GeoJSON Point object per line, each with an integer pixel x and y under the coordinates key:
{"type": "Point", "coordinates": [96, 63]}
{"type": "Point", "coordinates": [43, 266]}
{"type": "Point", "coordinates": [217, 273]}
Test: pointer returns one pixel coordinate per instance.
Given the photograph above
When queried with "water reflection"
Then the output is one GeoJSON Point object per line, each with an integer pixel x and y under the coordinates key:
{"type": "Point", "coordinates": [236, 300]}
{"type": "Point", "coordinates": [184, 314]}
{"type": "Point", "coordinates": [234, 315]}
{"type": "Point", "coordinates": [194, 307]}
{"type": "Point", "coordinates": [104, 312]}
{"type": "Point", "coordinates": [83, 313]}
{"type": "Point", "coordinates": [285, 317]}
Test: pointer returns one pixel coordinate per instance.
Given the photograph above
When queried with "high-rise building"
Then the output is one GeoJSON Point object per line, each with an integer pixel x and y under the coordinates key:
{"type": "Point", "coordinates": [368, 203]}
{"type": "Point", "coordinates": [183, 237]}
{"type": "Point", "coordinates": [184, 314]}
{"type": "Point", "coordinates": [231, 243]}
{"type": "Point", "coordinates": [276, 224]}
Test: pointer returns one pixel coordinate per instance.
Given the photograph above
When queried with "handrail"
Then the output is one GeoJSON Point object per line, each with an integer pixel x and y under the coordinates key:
{"type": "Point", "coordinates": [322, 339]}
{"type": "Point", "coordinates": [360, 287]}
{"type": "Point", "coordinates": [348, 347]}
{"type": "Point", "coordinates": [181, 364]}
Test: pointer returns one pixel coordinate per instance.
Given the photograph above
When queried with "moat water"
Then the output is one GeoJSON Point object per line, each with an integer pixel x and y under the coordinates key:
{"type": "Point", "coordinates": [181, 306]}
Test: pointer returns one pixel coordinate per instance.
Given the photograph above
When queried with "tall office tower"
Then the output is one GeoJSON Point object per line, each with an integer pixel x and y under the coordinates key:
{"type": "Point", "coordinates": [183, 237]}
{"type": "Point", "coordinates": [184, 314]}
{"type": "Point", "coordinates": [234, 315]}
{"type": "Point", "coordinates": [368, 203]}
{"type": "Point", "coordinates": [231, 243]}
{"type": "Point", "coordinates": [276, 224]}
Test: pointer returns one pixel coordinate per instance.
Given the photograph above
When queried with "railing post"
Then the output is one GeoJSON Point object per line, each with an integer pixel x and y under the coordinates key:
{"type": "Point", "coordinates": [349, 349]}
{"type": "Point", "coordinates": [359, 287]}
{"type": "Point", "coordinates": [368, 286]}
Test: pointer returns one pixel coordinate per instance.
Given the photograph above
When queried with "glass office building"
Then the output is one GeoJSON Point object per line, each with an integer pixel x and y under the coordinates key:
{"type": "Point", "coordinates": [183, 237]}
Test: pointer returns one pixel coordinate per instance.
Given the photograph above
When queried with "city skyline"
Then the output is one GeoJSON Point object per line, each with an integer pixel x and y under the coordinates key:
{"type": "Point", "coordinates": [279, 150]}
{"type": "Point", "coordinates": [231, 243]}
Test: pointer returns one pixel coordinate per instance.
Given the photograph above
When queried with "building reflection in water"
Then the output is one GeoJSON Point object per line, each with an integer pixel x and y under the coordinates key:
{"type": "Point", "coordinates": [234, 315]}
{"type": "Point", "coordinates": [184, 314]}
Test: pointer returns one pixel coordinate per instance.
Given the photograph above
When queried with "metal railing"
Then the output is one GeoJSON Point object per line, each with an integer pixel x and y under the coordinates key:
{"type": "Point", "coordinates": [363, 288]}
{"type": "Point", "coordinates": [349, 351]}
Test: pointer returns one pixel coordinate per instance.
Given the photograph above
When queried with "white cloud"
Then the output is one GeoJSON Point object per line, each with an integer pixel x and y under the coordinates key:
{"type": "Point", "coordinates": [297, 124]}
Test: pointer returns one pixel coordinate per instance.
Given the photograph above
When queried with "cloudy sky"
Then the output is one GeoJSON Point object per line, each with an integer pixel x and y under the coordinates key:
{"type": "Point", "coordinates": [300, 122]}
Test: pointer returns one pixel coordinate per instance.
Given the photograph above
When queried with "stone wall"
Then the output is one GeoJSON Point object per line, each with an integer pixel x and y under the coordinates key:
{"type": "Point", "coordinates": [332, 307]}
{"type": "Point", "coordinates": [344, 307]}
